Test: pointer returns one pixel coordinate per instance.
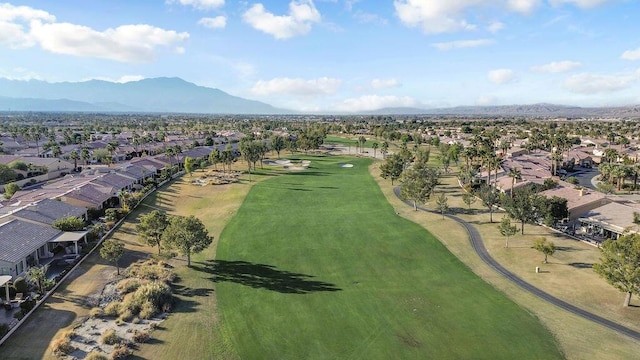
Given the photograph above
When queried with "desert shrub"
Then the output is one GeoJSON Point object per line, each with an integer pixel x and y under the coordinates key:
{"type": "Point", "coordinates": [147, 310]}
{"type": "Point", "coordinates": [21, 285]}
{"type": "Point", "coordinates": [112, 309]}
{"type": "Point", "coordinates": [140, 336]}
{"type": "Point", "coordinates": [127, 314]}
{"type": "Point", "coordinates": [110, 337]}
{"type": "Point", "coordinates": [158, 293]}
{"type": "Point", "coordinates": [94, 355]}
{"type": "Point", "coordinates": [152, 270]}
{"type": "Point", "coordinates": [128, 285]}
{"type": "Point", "coordinates": [62, 343]}
{"type": "Point", "coordinates": [96, 312]}
{"type": "Point", "coordinates": [120, 352]}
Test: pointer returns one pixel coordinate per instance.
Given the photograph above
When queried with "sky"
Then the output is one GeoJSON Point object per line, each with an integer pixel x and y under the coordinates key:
{"type": "Point", "coordinates": [339, 55]}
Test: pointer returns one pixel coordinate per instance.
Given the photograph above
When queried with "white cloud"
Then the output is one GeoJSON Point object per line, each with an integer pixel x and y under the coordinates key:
{"type": "Point", "coordinates": [368, 18]}
{"type": "Point", "coordinates": [23, 26]}
{"type": "Point", "coordinates": [297, 87]}
{"type": "Point", "coordinates": [375, 102]}
{"type": "Point", "coordinates": [199, 4]}
{"type": "Point", "coordinates": [439, 16]}
{"type": "Point", "coordinates": [495, 26]}
{"type": "Point", "coordinates": [523, 6]}
{"type": "Point", "coordinates": [218, 22]}
{"type": "Point", "coordinates": [556, 67]}
{"type": "Point", "coordinates": [19, 73]}
{"type": "Point", "coordinates": [501, 76]}
{"type": "Point", "coordinates": [126, 43]}
{"type": "Point", "coordinates": [631, 54]}
{"type": "Point", "coordinates": [597, 83]}
{"type": "Point", "coordinates": [302, 14]}
{"type": "Point", "coordinates": [485, 100]}
{"type": "Point", "coordinates": [123, 79]}
{"type": "Point", "coordinates": [385, 83]}
{"type": "Point", "coordinates": [579, 3]}
{"type": "Point", "coordinates": [460, 44]}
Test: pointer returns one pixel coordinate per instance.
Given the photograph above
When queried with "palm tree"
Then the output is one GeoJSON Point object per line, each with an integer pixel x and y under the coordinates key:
{"type": "Point", "coordinates": [85, 155]}
{"type": "Point", "coordinates": [384, 149]}
{"type": "Point", "coordinates": [375, 147]}
{"type": "Point", "coordinates": [75, 157]}
{"type": "Point", "coordinates": [515, 174]}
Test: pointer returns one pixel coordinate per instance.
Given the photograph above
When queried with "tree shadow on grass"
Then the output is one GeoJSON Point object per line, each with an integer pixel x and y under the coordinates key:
{"type": "Point", "coordinates": [263, 276]}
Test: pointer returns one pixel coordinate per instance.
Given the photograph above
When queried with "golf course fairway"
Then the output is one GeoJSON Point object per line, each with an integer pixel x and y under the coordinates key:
{"type": "Point", "coordinates": [317, 265]}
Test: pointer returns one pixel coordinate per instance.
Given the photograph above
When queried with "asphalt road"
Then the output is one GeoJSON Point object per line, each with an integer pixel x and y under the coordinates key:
{"type": "Point", "coordinates": [481, 250]}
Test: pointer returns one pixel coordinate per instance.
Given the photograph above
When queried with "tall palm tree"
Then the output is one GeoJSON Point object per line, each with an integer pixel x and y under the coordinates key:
{"type": "Point", "coordinates": [515, 174]}
{"type": "Point", "coordinates": [375, 147]}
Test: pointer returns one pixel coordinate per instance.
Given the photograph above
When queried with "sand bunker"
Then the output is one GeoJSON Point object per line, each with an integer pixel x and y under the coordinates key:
{"type": "Point", "coordinates": [346, 165]}
{"type": "Point", "coordinates": [290, 165]}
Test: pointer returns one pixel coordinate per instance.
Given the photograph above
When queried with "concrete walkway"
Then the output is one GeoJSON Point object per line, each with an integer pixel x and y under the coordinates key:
{"type": "Point", "coordinates": [478, 245]}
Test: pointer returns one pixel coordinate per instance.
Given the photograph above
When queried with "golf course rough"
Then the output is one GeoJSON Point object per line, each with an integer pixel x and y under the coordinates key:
{"type": "Point", "coordinates": [317, 265]}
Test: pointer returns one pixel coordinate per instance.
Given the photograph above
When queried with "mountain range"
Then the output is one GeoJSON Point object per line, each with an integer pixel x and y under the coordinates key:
{"type": "Point", "coordinates": [165, 95]}
{"type": "Point", "coordinates": [174, 95]}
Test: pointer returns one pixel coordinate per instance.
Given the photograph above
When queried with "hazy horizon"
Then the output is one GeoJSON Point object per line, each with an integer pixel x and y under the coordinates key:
{"type": "Point", "coordinates": [339, 55]}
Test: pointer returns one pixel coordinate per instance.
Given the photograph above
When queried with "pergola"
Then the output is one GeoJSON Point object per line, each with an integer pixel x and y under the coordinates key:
{"type": "Point", "coordinates": [71, 236]}
{"type": "Point", "coordinates": [4, 280]}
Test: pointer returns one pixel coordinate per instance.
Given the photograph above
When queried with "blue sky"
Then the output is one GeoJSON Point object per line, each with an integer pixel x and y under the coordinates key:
{"type": "Point", "coordinates": [339, 55]}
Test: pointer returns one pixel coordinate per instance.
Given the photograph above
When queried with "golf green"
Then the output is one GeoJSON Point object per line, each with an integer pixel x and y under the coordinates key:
{"type": "Point", "coordinates": [317, 265]}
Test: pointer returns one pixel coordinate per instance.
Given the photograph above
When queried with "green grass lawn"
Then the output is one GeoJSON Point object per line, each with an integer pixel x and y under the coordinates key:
{"type": "Point", "coordinates": [317, 265]}
{"type": "Point", "coordinates": [351, 141]}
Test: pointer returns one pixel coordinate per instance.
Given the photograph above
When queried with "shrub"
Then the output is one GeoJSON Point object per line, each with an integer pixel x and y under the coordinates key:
{"type": "Point", "coordinates": [147, 310]}
{"type": "Point", "coordinates": [70, 223]}
{"type": "Point", "coordinates": [94, 355]}
{"type": "Point", "coordinates": [152, 270]}
{"type": "Point", "coordinates": [27, 305]}
{"type": "Point", "coordinates": [140, 336]}
{"type": "Point", "coordinates": [128, 285]}
{"type": "Point", "coordinates": [112, 309]}
{"type": "Point", "coordinates": [21, 285]}
{"type": "Point", "coordinates": [110, 337]}
{"type": "Point", "coordinates": [120, 352]}
{"type": "Point", "coordinates": [158, 293]}
{"type": "Point", "coordinates": [127, 314]}
{"type": "Point", "coordinates": [62, 343]}
{"type": "Point", "coordinates": [96, 312]}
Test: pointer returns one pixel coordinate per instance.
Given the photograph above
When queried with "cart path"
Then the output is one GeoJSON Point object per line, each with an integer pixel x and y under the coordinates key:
{"type": "Point", "coordinates": [478, 245]}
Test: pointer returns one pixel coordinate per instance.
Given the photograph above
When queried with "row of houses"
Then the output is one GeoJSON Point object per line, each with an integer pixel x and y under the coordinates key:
{"type": "Point", "coordinates": [27, 237]}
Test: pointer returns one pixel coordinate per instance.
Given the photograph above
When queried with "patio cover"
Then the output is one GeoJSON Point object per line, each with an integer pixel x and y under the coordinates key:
{"type": "Point", "coordinates": [4, 280]}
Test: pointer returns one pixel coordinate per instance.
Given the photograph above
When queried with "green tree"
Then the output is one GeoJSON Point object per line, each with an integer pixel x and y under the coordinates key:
{"type": "Point", "coordinates": [189, 165]}
{"type": "Point", "coordinates": [10, 189]}
{"type": "Point", "coordinates": [384, 149]}
{"type": "Point", "coordinates": [506, 229]}
{"type": "Point", "coordinates": [515, 174]}
{"type": "Point", "coordinates": [70, 223]}
{"type": "Point", "coordinates": [37, 276]}
{"type": "Point", "coordinates": [522, 207]}
{"type": "Point", "coordinates": [277, 144]}
{"type": "Point", "coordinates": [490, 198]}
{"type": "Point", "coordinates": [214, 158]}
{"type": "Point", "coordinates": [112, 251]}
{"type": "Point", "coordinates": [75, 157]}
{"type": "Point", "coordinates": [418, 184]}
{"type": "Point", "coordinates": [441, 204]}
{"type": "Point", "coordinates": [374, 146]}
{"type": "Point", "coordinates": [620, 264]}
{"type": "Point", "coordinates": [187, 234]}
{"type": "Point", "coordinates": [546, 247]}
{"type": "Point", "coordinates": [392, 168]}
{"type": "Point", "coordinates": [151, 227]}
{"type": "Point", "coordinates": [469, 199]}
{"type": "Point", "coordinates": [7, 174]}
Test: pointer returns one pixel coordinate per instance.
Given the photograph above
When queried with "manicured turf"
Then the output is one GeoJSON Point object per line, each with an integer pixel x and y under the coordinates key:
{"type": "Point", "coordinates": [351, 141]}
{"type": "Point", "coordinates": [317, 265]}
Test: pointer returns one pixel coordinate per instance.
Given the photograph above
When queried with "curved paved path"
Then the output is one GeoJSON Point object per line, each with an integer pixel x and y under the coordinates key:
{"type": "Point", "coordinates": [481, 250]}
